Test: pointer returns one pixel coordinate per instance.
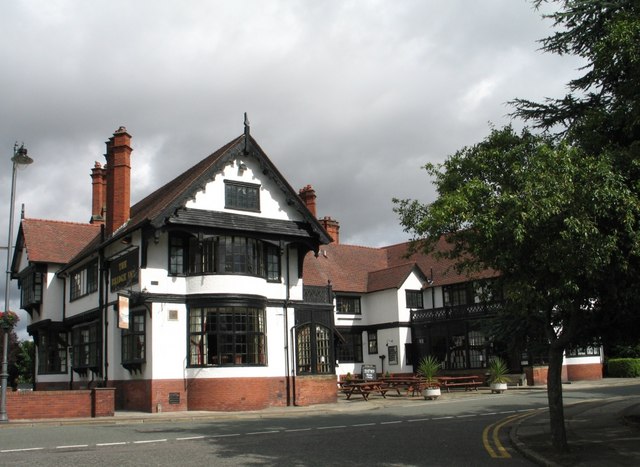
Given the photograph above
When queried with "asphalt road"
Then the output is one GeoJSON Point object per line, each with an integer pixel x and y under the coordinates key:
{"type": "Point", "coordinates": [471, 430]}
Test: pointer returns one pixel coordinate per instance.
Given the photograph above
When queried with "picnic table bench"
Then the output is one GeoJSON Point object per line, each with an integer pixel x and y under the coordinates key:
{"type": "Point", "coordinates": [411, 385]}
{"type": "Point", "coordinates": [366, 388]}
{"type": "Point", "coordinates": [467, 382]}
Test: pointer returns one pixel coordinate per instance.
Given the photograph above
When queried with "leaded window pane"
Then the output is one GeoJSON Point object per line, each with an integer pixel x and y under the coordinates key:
{"type": "Point", "coordinates": [235, 336]}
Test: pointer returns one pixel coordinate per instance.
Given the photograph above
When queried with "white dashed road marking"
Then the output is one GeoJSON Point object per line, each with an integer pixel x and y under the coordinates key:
{"type": "Point", "coordinates": [292, 430]}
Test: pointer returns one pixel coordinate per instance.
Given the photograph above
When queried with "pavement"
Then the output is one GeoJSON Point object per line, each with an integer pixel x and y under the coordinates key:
{"type": "Point", "coordinates": [599, 431]}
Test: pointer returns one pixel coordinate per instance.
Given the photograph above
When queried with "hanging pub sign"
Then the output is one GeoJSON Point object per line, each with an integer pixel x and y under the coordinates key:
{"type": "Point", "coordinates": [124, 271]}
{"type": "Point", "coordinates": [123, 312]}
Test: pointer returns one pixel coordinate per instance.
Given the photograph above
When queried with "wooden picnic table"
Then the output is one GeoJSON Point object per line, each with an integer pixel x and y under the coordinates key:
{"type": "Point", "coordinates": [468, 382]}
{"type": "Point", "coordinates": [412, 385]}
{"type": "Point", "coordinates": [366, 388]}
{"type": "Point", "coordinates": [347, 382]}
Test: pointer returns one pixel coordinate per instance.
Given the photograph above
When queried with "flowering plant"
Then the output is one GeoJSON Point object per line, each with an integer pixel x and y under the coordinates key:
{"type": "Point", "coordinates": [8, 319]}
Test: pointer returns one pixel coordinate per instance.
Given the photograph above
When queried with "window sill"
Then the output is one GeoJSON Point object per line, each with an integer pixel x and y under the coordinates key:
{"type": "Point", "coordinates": [133, 367]}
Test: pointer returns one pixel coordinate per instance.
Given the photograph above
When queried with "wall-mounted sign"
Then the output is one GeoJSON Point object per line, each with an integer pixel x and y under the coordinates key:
{"type": "Point", "coordinates": [123, 312]}
{"type": "Point", "coordinates": [124, 271]}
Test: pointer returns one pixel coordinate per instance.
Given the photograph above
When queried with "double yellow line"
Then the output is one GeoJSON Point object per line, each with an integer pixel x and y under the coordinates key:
{"type": "Point", "coordinates": [491, 435]}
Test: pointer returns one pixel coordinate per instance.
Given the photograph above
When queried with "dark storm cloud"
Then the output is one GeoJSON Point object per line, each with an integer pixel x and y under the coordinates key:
{"type": "Point", "coordinates": [352, 97]}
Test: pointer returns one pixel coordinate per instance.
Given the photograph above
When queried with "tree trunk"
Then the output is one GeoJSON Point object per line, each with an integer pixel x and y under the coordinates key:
{"type": "Point", "coordinates": [554, 395]}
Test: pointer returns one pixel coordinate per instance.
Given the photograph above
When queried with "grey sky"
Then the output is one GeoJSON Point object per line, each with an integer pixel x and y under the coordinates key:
{"type": "Point", "coordinates": [352, 97]}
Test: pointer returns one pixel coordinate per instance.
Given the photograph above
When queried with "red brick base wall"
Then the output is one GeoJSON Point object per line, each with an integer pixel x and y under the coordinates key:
{"type": "Point", "coordinates": [168, 395]}
{"type": "Point", "coordinates": [536, 375]}
{"type": "Point", "coordinates": [27, 405]}
{"type": "Point", "coordinates": [235, 394]}
{"type": "Point", "coordinates": [132, 395]}
{"type": "Point", "coordinates": [222, 394]}
{"type": "Point", "coordinates": [60, 386]}
{"type": "Point", "coordinates": [587, 372]}
{"type": "Point", "coordinates": [316, 390]}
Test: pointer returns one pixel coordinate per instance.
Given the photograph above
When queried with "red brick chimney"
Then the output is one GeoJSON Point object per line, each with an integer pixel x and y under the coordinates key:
{"type": "Point", "coordinates": [308, 196]}
{"type": "Point", "coordinates": [99, 193]}
{"type": "Point", "coordinates": [118, 179]}
{"type": "Point", "coordinates": [332, 227]}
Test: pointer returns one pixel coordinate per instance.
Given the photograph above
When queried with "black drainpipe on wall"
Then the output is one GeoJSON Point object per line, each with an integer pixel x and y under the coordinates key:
{"type": "Point", "coordinates": [286, 330]}
{"type": "Point", "coordinates": [433, 292]}
{"type": "Point", "coordinates": [103, 304]}
{"type": "Point", "coordinates": [69, 335]}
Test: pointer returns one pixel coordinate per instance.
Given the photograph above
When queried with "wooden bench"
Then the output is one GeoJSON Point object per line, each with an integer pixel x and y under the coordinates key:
{"type": "Point", "coordinates": [364, 389]}
{"type": "Point", "coordinates": [516, 379]}
{"type": "Point", "coordinates": [412, 386]}
{"type": "Point", "coordinates": [467, 382]}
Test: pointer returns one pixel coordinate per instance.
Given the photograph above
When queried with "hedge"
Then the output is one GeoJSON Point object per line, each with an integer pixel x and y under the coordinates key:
{"type": "Point", "coordinates": [624, 367]}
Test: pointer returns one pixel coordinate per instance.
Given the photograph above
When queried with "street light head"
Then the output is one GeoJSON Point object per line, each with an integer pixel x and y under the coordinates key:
{"type": "Point", "coordinates": [20, 156]}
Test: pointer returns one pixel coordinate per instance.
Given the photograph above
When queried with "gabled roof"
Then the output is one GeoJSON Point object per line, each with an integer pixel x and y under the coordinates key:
{"type": "Point", "coordinates": [441, 271]}
{"type": "Point", "coordinates": [357, 269]}
{"type": "Point", "coordinates": [393, 277]}
{"type": "Point", "coordinates": [57, 242]}
{"type": "Point", "coordinates": [166, 204]}
{"type": "Point", "coordinates": [347, 267]}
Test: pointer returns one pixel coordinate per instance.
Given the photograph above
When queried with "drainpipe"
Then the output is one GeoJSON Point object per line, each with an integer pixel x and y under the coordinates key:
{"type": "Point", "coordinates": [286, 328]}
{"type": "Point", "coordinates": [433, 296]}
{"type": "Point", "coordinates": [69, 335]}
{"type": "Point", "coordinates": [103, 304]}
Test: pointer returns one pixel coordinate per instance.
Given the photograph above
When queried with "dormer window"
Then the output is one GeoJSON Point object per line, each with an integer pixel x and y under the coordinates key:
{"type": "Point", "coordinates": [242, 196]}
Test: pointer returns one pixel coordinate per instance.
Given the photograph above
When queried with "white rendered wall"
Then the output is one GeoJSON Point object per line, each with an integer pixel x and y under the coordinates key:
{"type": "Point", "coordinates": [273, 203]}
{"type": "Point", "coordinates": [595, 359]}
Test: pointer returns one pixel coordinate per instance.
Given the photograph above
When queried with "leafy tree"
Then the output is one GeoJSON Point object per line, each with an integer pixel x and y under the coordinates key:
{"type": "Point", "coordinates": [601, 115]}
{"type": "Point", "coordinates": [11, 357]}
{"type": "Point", "coordinates": [556, 215]}
{"type": "Point", "coordinates": [602, 107]}
{"type": "Point", "coordinates": [25, 361]}
{"type": "Point", "coordinates": [533, 209]}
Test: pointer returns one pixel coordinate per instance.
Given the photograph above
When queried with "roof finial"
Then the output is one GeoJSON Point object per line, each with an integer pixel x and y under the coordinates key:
{"type": "Point", "coordinates": [246, 133]}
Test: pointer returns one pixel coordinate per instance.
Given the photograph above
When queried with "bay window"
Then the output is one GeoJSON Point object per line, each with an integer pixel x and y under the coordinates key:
{"type": "Point", "coordinates": [52, 351]}
{"type": "Point", "coordinates": [133, 341]}
{"type": "Point", "coordinates": [223, 254]}
{"type": "Point", "coordinates": [86, 347]}
{"type": "Point", "coordinates": [227, 336]}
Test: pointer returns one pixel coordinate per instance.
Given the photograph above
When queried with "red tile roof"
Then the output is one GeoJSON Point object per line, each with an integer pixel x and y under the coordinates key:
{"type": "Point", "coordinates": [389, 278]}
{"type": "Point", "coordinates": [163, 202]}
{"type": "Point", "coordinates": [441, 270]}
{"type": "Point", "coordinates": [359, 269]}
{"type": "Point", "coordinates": [346, 266]}
{"type": "Point", "coordinates": [58, 242]}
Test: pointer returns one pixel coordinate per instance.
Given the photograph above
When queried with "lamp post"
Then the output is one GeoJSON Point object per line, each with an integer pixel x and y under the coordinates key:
{"type": "Point", "coordinates": [19, 158]}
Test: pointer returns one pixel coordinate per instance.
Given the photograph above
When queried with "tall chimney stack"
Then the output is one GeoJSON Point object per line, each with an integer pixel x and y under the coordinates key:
{"type": "Point", "coordinates": [308, 196]}
{"type": "Point", "coordinates": [99, 194]}
{"type": "Point", "coordinates": [332, 227]}
{"type": "Point", "coordinates": [118, 179]}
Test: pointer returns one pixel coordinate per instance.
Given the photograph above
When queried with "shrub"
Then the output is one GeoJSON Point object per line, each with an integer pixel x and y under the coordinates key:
{"type": "Point", "coordinates": [497, 370]}
{"type": "Point", "coordinates": [624, 367]}
{"type": "Point", "coordinates": [428, 368]}
{"type": "Point", "coordinates": [626, 351]}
